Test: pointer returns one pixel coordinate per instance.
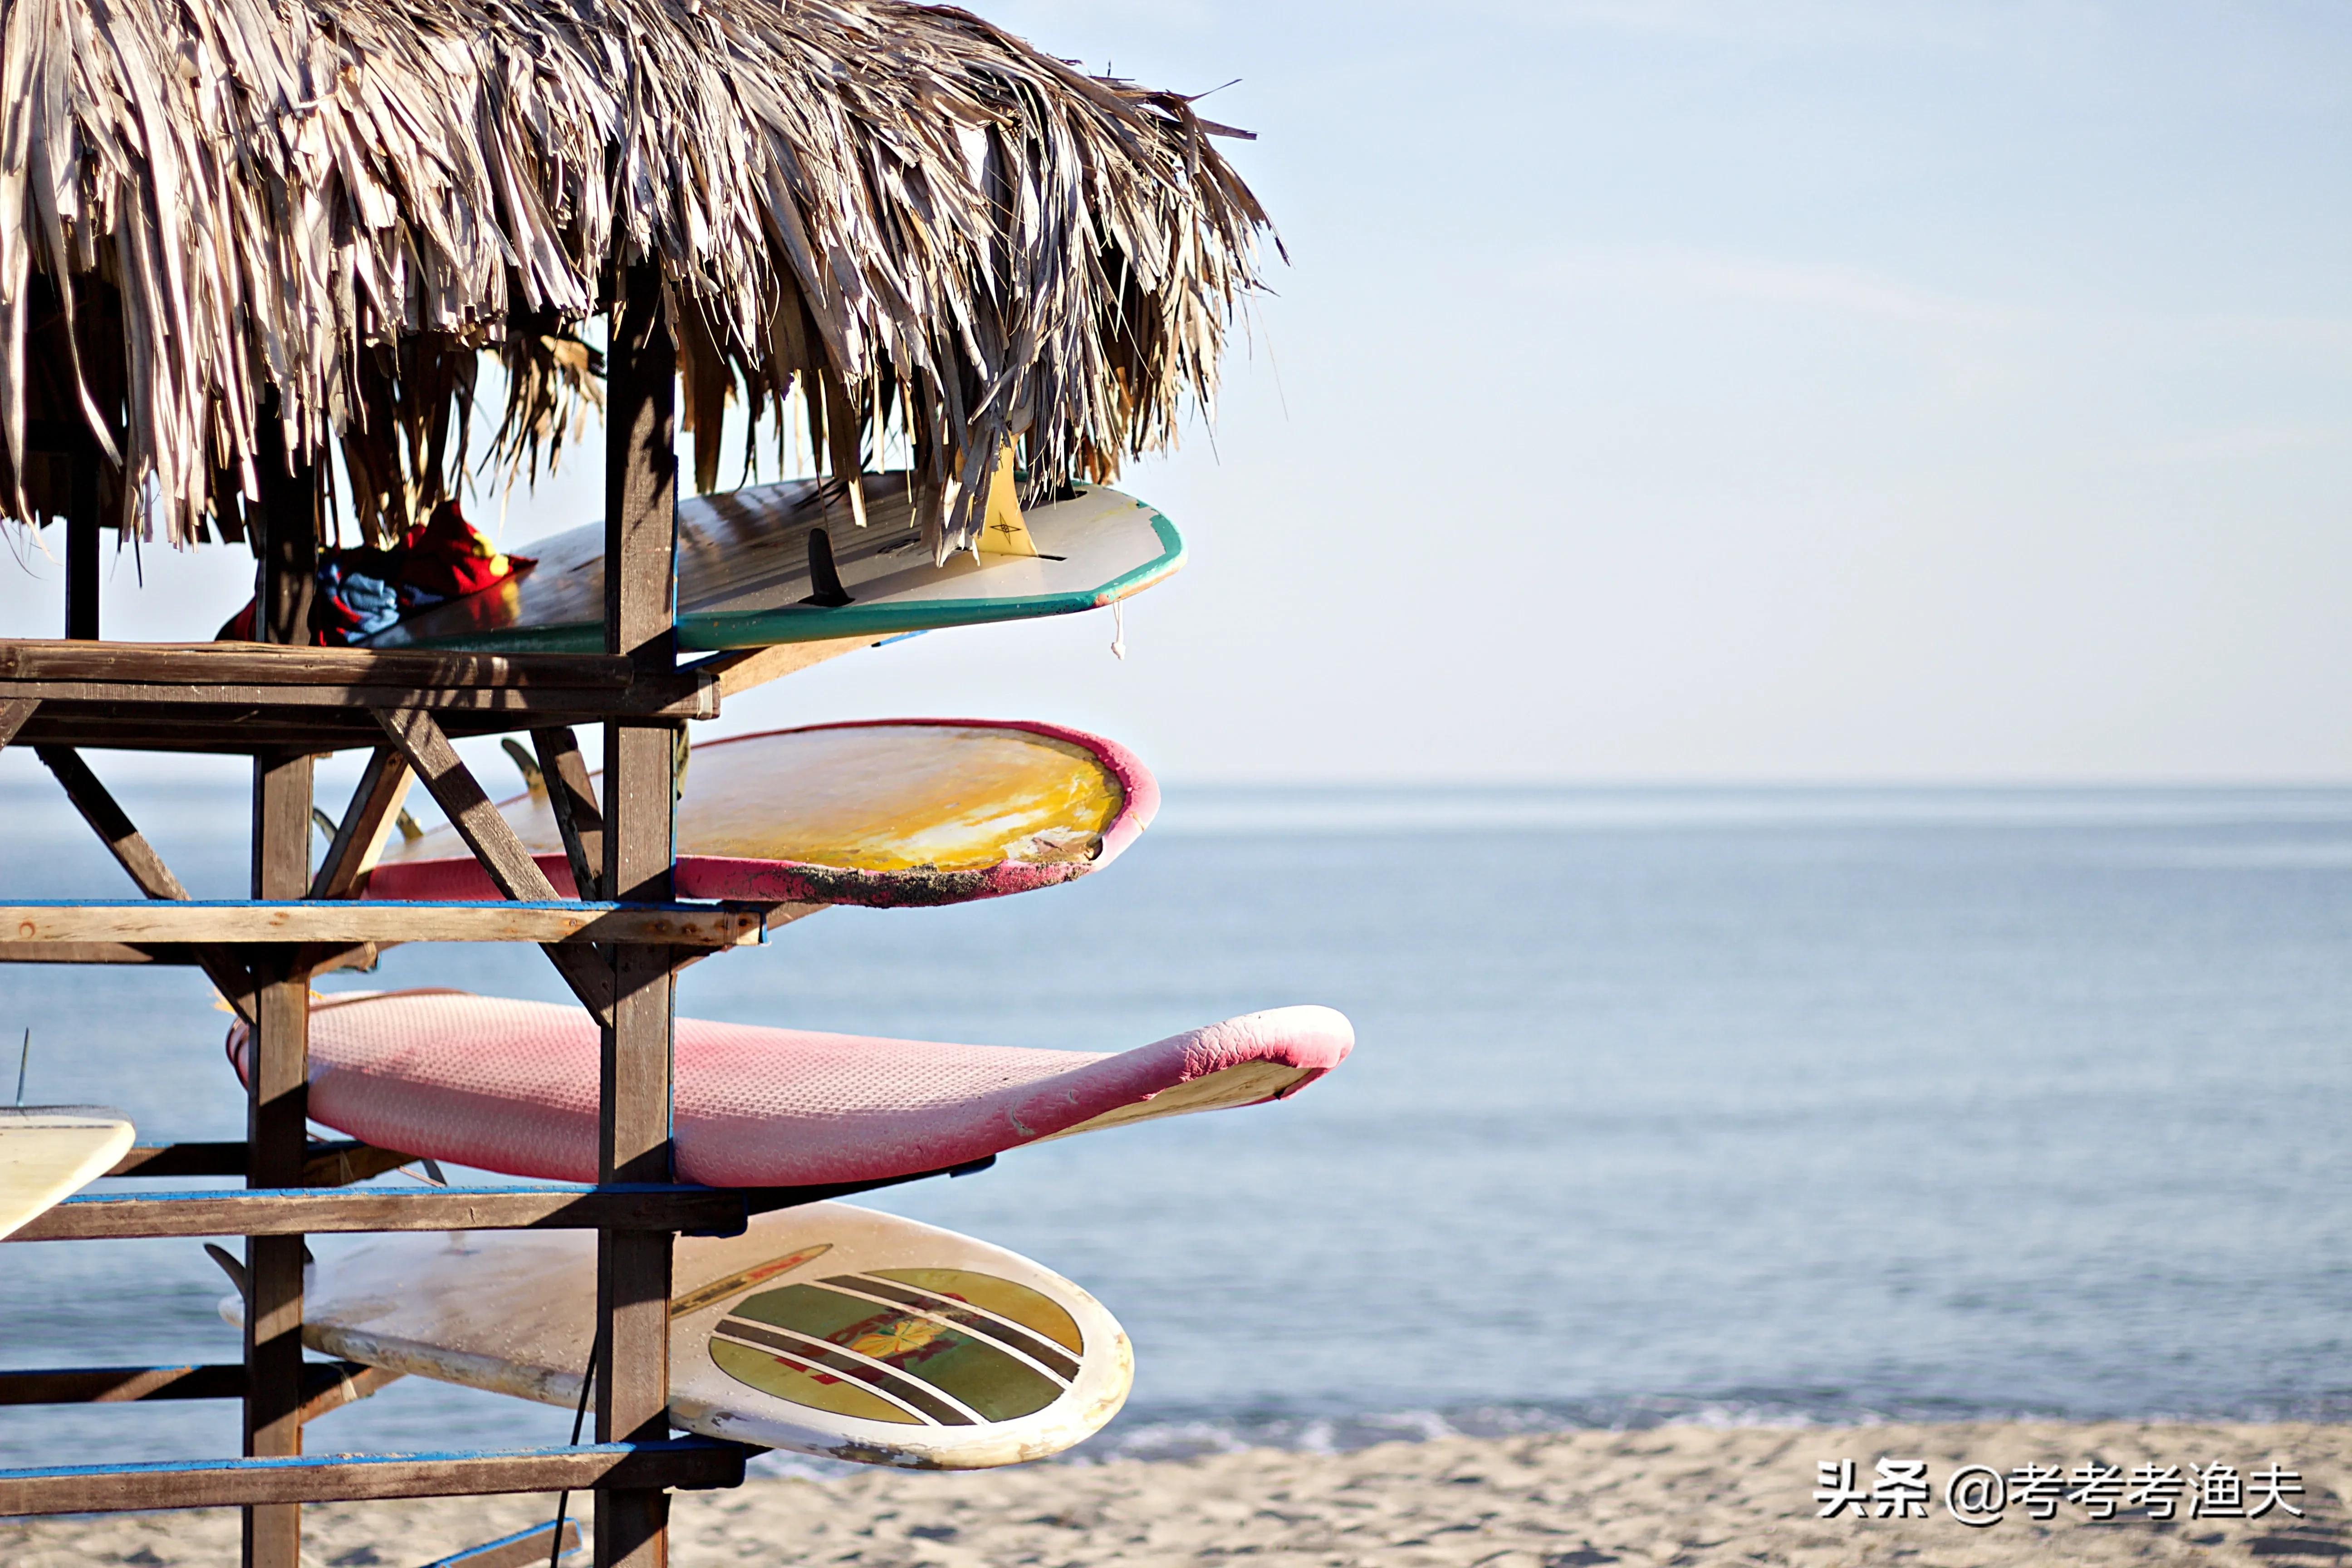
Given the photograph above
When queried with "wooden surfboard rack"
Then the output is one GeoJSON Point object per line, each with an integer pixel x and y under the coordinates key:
{"type": "Point", "coordinates": [282, 704]}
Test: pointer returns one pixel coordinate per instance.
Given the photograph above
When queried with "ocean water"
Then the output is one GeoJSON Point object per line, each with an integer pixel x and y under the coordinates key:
{"type": "Point", "coordinates": [1788, 1105]}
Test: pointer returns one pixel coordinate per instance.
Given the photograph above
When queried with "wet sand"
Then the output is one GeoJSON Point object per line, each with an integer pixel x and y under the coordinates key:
{"type": "Point", "coordinates": [1673, 1495]}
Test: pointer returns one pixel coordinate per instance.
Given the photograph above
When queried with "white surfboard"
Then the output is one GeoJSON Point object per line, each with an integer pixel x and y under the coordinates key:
{"type": "Point", "coordinates": [785, 564]}
{"type": "Point", "coordinates": [826, 1328]}
{"type": "Point", "coordinates": [48, 1153]}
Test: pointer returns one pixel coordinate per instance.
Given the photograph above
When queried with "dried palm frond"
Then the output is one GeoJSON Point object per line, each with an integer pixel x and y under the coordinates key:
{"type": "Point", "coordinates": [317, 210]}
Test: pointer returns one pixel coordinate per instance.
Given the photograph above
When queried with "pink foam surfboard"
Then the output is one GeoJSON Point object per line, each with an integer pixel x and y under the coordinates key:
{"type": "Point", "coordinates": [511, 1087]}
{"type": "Point", "coordinates": [886, 812]}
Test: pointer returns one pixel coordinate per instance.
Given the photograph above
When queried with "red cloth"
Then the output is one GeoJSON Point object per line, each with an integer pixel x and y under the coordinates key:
{"type": "Point", "coordinates": [451, 557]}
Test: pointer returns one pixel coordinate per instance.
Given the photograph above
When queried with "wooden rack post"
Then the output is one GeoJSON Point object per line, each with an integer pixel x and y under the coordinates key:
{"type": "Point", "coordinates": [278, 1082]}
{"type": "Point", "coordinates": [633, 1268]}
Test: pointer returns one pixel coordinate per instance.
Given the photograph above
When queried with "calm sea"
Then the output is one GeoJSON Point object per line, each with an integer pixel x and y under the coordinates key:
{"type": "Point", "coordinates": [1736, 1105]}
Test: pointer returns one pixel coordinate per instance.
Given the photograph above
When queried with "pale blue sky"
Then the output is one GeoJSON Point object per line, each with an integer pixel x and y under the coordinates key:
{"type": "Point", "coordinates": [1685, 390]}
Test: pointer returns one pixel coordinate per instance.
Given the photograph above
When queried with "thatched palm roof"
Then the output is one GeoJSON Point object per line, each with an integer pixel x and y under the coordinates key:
{"type": "Point", "coordinates": [318, 212]}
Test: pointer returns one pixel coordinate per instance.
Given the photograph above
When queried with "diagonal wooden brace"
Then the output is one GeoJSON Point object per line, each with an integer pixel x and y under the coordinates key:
{"type": "Point", "coordinates": [375, 805]}
{"type": "Point", "coordinates": [14, 712]}
{"type": "Point", "coordinates": [420, 740]}
{"type": "Point", "coordinates": [146, 869]}
{"type": "Point", "coordinates": [573, 800]}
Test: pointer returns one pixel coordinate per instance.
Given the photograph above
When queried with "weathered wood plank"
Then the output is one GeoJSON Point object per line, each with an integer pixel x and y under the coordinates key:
{"type": "Point", "coordinates": [361, 955]}
{"type": "Point", "coordinates": [744, 669]}
{"type": "Point", "coordinates": [93, 952]}
{"type": "Point", "coordinates": [293, 1211]}
{"type": "Point", "coordinates": [352, 922]}
{"type": "Point", "coordinates": [222, 1158]}
{"type": "Point", "coordinates": [695, 1463]}
{"type": "Point", "coordinates": [261, 664]}
{"type": "Point", "coordinates": [332, 1163]}
{"type": "Point", "coordinates": [685, 696]}
{"type": "Point", "coordinates": [247, 729]}
{"type": "Point", "coordinates": [331, 1385]}
{"type": "Point", "coordinates": [327, 1386]}
{"type": "Point", "coordinates": [367, 820]}
{"type": "Point", "coordinates": [121, 1384]}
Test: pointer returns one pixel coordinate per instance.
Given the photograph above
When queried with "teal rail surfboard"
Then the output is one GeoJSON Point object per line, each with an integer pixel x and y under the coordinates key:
{"type": "Point", "coordinates": [785, 564]}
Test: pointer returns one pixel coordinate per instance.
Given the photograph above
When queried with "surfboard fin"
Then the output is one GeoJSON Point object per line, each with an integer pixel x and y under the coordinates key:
{"type": "Point", "coordinates": [533, 781]}
{"type": "Point", "coordinates": [229, 1265]}
{"type": "Point", "coordinates": [1001, 529]}
{"type": "Point", "coordinates": [824, 575]}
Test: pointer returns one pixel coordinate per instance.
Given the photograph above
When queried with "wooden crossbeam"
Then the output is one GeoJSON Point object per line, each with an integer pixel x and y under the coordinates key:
{"type": "Point", "coordinates": [327, 1386]}
{"type": "Point", "coordinates": [262, 664]}
{"type": "Point", "coordinates": [293, 1211]}
{"type": "Point", "coordinates": [331, 1385]}
{"type": "Point", "coordinates": [326, 1163]}
{"type": "Point", "coordinates": [243, 730]}
{"type": "Point", "coordinates": [352, 921]}
{"type": "Point", "coordinates": [693, 1463]}
{"type": "Point", "coordinates": [362, 955]}
{"type": "Point", "coordinates": [675, 698]}
{"type": "Point", "coordinates": [121, 1384]}
{"type": "Point", "coordinates": [740, 669]}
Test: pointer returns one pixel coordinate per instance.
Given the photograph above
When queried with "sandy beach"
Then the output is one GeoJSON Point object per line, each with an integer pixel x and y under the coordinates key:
{"type": "Point", "coordinates": [1678, 1495]}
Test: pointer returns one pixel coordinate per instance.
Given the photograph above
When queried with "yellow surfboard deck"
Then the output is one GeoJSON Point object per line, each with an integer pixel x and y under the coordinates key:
{"type": "Point", "coordinates": [895, 812]}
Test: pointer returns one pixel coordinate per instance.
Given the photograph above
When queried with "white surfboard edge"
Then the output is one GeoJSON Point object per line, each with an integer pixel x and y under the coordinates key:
{"type": "Point", "coordinates": [824, 1328]}
{"type": "Point", "coordinates": [48, 1153]}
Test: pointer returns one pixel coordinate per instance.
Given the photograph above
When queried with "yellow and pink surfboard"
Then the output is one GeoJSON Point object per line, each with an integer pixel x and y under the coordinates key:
{"type": "Point", "coordinates": [884, 812]}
